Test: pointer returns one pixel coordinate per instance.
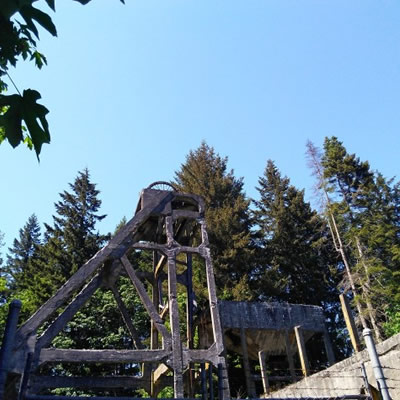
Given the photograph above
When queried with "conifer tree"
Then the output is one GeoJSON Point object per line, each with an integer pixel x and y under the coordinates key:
{"type": "Point", "coordinates": [75, 223]}
{"type": "Point", "coordinates": [22, 254]}
{"type": "Point", "coordinates": [206, 173]}
{"type": "Point", "coordinates": [295, 253]}
{"type": "Point", "coordinates": [71, 240]}
{"type": "Point", "coordinates": [3, 281]}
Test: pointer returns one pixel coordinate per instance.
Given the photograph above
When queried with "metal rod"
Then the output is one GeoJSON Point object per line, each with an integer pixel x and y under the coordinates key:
{"type": "Point", "coordinates": [376, 364]}
{"type": "Point", "coordinates": [8, 343]}
{"type": "Point", "coordinates": [365, 377]}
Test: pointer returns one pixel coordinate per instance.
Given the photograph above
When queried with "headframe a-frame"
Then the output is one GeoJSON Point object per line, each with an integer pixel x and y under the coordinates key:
{"type": "Point", "coordinates": [164, 223]}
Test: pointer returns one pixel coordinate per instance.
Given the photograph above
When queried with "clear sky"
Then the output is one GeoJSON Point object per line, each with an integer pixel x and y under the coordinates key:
{"type": "Point", "coordinates": [132, 88]}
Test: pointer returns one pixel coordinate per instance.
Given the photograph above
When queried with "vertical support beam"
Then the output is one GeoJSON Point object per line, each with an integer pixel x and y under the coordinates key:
{"type": "Point", "coordinates": [210, 381]}
{"type": "Point", "coordinates": [189, 317]}
{"type": "Point", "coordinates": [25, 377]}
{"type": "Point", "coordinates": [221, 380]}
{"type": "Point", "coordinates": [214, 311]}
{"type": "Point", "coordinates": [8, 343]}
{"type": "Point", "coordinates": [203, 381]}
{"type": "Point", "coordinates": [177, 363]}
{"type": "Point", "coordinates": [156, 301]}
{"type": "Point", "coordinates": [264, 375]}
{"type": "Point", "coordinates": [328, 347]}
{"type": "Point", "coordinates": [350, 324]}
{"type": "Point", "coordinates": [302, 350]}
{"type": "Point", "coordinates": [289, 355]}
{"type": "Point", "coordinates": [251, 392]}
{"type": "Point", "coordinates": [153, 330]}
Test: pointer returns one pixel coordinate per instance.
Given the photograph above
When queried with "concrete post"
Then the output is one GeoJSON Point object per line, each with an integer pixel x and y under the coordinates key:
{"type": "Point", "coordinates": [8, 343]}
{"type": "Point", "coordinates": [251, 391]}
{"type": "Point", "coordinates": [289, 355]}
{"type": "Point", "coordinates": [328, 347]}
{"type": "Point", "coordinates": [376, 364]}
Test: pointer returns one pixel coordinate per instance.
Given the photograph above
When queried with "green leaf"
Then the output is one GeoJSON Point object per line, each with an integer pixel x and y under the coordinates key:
{"type": "Point", "coordinates": [44, 20]}
{"type": "Point", "coordinates": [33, 113]}
{"type": "Point", "coordinates": [51, 4]}
{"type": "Point", "coordinates": [29, 13]}
{"type": "Point", "coordinates": [39, 58]}
{"type": "Point", "coordinates": [11, 119]}
{"type": "Point", "coordinates": [25, 108]}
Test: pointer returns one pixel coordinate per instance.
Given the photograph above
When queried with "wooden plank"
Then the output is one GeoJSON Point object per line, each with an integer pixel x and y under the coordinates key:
{"type": "Point", "coordinates": [122, 237]}
{"type": "Point", "coordinates": [160, 265]}
{"type": "Point", "coordinates": [151, 310]}
{"type": "Point", "coordinates": [101, 356]}
{"type": "Point", "coordinates": [164, 311]}
{"type": "Point", "coordinates": [264, 375]}
{"type": "Point", "coordinates": [185, 214]}
{"type": "Point", "coordinates": [107, 382]}
{"type": "Point", "coordinates": [177, 363]}
{"type": "Point", "coordinates": [214, 311]}
{"type": "Point", "coordinates": [127, 319]}
{"type": "Point", "coordinates": [350, 324]}
{"type": "Point", "coordinates": [56, 327]}
{"type": "Point", "coordinates": [302, 351]}
{"type": "Point", "coordinates": [160, 370]}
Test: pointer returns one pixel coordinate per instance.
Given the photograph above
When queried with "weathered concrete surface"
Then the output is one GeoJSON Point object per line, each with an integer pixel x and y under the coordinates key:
{"type": "Point", "coordinates": [345, 378]}
{"type": "Point", "coordinates": [265, 325]}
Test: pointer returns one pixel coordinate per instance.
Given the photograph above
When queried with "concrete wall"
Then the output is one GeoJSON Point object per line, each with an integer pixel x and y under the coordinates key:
{"type": "Point", "coordinates": [345, 378]}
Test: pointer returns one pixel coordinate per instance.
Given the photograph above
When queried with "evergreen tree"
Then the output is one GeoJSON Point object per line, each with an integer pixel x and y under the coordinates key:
{"type": "Point", "coordinates": [228, 219]}
{"type": "Point", "coordinates": [3, 281]}
{"type": "Point", "coordinates": [296, 261]}
{"type": "Point", "coordinates": [71, 240]}
{"type": "Point", "coordinates": [1, 245]}
{"type": "Point", "coordinates": [295, 253]}
{"type": "Point", "coordinates": [22, 254]}
{"type": "Point", "coordinates": [75, 222]}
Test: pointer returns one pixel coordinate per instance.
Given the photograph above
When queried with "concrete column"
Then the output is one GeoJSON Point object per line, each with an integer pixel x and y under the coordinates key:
{"type": "Point", "coordinates": [302, 350]}
{"type": "Point", "coordinates": [328, 347]}
{"type": "Point", "coordinates": [289, 355]}
{"type": "Point", "coordinates": [264, 376]}
{"type": "Point", "coordinates": [251, 391]}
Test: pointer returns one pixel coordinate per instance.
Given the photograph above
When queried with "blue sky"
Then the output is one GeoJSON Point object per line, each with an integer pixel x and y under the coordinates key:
{"type": "Point", "coordinates": [132, 88]}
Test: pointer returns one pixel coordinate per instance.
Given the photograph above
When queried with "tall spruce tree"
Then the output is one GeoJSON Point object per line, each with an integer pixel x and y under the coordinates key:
{"type": "Point", "coordinates": [295, 253]}
{"type": "Point", "coordinates": [75, 222]}
{"type": "Point", "coordinates": [206, 173]}
{"type": "Point", "coordinates": [296, 261]}
{"type": "Point", "coordinates": [3, 281]}
{"type": "Point", "coordinates": [22, 254]}
{"type": "Point", "coordinates": [71, 240]}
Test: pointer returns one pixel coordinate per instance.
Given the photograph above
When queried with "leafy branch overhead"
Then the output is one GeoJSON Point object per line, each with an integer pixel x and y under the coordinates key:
{"type": "Point", "coordinates": [22, 119]}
